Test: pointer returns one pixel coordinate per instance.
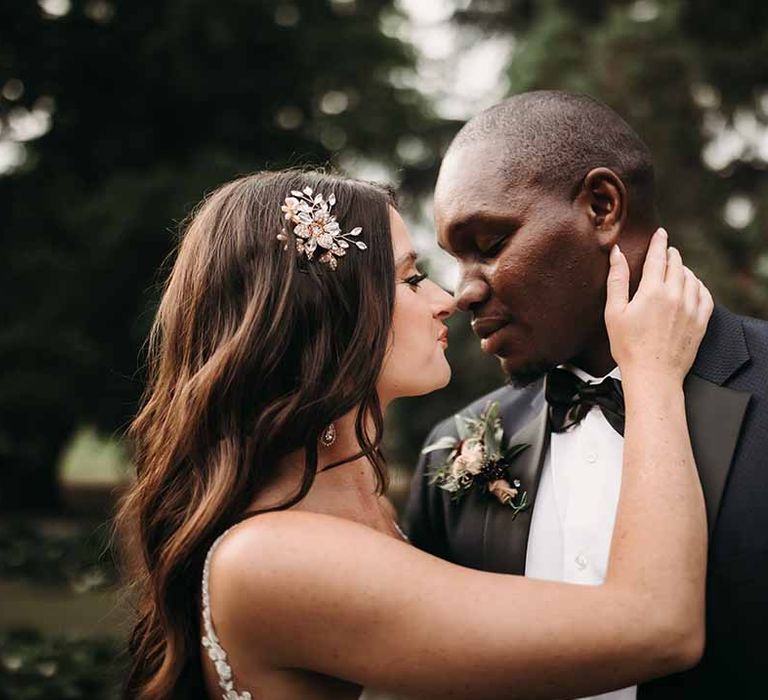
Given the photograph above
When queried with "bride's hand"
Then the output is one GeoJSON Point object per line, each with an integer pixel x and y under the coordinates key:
{"type": "Point", "coordinates": [657, 334]}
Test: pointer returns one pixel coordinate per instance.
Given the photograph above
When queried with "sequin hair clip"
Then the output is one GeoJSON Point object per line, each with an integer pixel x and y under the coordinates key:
{"type": "Point", "coordinates": [315, 227]}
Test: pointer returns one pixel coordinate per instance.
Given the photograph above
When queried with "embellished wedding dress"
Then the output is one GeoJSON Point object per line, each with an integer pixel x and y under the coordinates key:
{"type": "Point", "coordinates": [211, 642]}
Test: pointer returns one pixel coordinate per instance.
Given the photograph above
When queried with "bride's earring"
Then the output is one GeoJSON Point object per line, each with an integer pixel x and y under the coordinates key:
{"type": "Point", "coordinates": [328, 436]}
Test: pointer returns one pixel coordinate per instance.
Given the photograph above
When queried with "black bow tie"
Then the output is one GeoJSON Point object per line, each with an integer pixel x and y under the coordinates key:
{"type": "Point", "coordinates": [570, 399]}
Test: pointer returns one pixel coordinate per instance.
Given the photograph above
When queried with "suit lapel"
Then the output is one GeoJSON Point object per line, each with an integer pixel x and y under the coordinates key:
{"type": "Point", "coordinates": [505, 538]}
{"type": "Point", "coordinates": [715, 414]}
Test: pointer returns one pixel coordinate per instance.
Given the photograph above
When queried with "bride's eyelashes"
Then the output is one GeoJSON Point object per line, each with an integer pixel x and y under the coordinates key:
{"type": "Point", "coordinates": [415, 280]}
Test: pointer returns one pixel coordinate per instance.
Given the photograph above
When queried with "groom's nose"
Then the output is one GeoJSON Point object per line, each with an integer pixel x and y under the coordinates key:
{"type": "Point", "coordinates": [472, 292]}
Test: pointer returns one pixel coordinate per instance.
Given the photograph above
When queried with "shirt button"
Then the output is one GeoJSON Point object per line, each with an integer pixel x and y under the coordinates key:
{"type": "Point", "coordinates": [591, 457]}
{"type": "Point", "coordinates": [581, 561]}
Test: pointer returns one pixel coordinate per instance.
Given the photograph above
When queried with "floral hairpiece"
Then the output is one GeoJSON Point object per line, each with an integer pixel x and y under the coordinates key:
{"type": "Point", "coordinates": [315, 227]}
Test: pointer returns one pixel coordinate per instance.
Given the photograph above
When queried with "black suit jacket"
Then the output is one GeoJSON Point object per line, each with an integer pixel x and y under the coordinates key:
{"type": "Point", "coordinates": [727, 407]}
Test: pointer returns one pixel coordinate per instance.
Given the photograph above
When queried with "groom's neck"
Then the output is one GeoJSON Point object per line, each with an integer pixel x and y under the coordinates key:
{"type": "Point", "coordinates": [596, 358]}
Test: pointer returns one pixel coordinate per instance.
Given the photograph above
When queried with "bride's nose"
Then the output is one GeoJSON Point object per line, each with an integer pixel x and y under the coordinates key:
{"type": "Point", "coordinates": [443, 304]}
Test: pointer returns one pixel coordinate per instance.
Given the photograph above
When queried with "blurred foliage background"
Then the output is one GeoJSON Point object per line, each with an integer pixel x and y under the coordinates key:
{"type": "Point", "coordinates": [116, 117]}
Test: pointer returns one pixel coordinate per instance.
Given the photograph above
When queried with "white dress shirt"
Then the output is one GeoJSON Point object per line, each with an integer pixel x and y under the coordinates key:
{"type": "Point", "coordinates": [572, 522]}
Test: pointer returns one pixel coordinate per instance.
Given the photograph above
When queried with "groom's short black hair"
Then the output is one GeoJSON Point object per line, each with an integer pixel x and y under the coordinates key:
{"type": "Point", "coordinates": [552, 139]}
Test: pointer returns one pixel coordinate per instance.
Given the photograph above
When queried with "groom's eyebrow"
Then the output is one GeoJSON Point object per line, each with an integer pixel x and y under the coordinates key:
{"type": "Point", "coordinates": [478, 223]}
{"type": "Point", "coordinates": [484, 220]}
{"type": "Point", "coordinates": [464, 226]}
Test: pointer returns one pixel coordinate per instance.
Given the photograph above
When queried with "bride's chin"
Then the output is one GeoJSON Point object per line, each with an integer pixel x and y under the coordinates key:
{"type": "Point", "coordinates": [442, 377]}
{"type": "Point", "coordinates": [447, 377]}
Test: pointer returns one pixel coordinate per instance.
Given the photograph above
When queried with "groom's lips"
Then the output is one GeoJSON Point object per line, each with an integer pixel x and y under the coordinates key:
{"type": "Point", "coordinates": [486, 329]}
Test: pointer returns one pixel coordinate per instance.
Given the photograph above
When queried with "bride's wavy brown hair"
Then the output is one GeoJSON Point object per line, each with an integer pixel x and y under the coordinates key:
{"type": "Point", "coordinates": [252, 354]}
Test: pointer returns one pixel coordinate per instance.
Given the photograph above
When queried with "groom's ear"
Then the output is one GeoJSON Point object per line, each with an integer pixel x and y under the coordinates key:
{"type": "Point", "coordinates": [603, 198]}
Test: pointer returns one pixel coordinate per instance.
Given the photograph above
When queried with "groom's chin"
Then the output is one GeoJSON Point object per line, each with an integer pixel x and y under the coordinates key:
{"type": "Point", "coordinates": [521, 376]}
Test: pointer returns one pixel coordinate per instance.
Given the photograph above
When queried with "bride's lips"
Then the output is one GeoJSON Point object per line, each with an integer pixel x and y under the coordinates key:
{"type": "Point", "coordinates": [487, 329]}
{"type": "Point", "coordinates": [443, 338]}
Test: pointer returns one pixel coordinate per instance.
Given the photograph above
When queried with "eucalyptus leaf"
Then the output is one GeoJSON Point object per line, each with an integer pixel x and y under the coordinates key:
{"type": "Point", "coordinates": [492, 412]}
{"type": "Point", "coordinates": [515, 450]}
{"type": "Point", "coordinates": [461, 427]}
{"type": "Point", "coordinates": [444, 443]}
{"type": "Point", "coordinates": [489, 438]}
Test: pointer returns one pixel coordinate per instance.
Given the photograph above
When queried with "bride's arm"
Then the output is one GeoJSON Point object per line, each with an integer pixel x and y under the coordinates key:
{"type": "Point", "coordinates": [307, 591]}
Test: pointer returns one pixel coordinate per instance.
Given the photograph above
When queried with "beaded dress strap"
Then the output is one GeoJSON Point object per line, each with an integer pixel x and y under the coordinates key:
{"type": "Point", "coordinates": [211, 642]}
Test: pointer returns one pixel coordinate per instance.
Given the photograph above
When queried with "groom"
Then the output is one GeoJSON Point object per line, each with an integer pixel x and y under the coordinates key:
{"type": "Point", "coordinates": [531, 196]}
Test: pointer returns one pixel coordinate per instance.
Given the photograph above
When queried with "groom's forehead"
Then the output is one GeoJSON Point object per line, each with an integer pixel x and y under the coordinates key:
{"type": "Point", "coordinates": [475, 203]}
{"type": "Point", "coordinates": [477, 181]}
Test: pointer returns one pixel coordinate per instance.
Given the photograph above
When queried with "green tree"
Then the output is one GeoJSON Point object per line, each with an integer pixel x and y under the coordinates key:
{"type": "Point", "coordinates": [153, 103]}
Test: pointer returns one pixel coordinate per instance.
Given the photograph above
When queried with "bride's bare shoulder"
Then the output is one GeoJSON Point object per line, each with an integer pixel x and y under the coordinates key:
{"type": "Point", "coordinates": [291, 530]}
{"type": "Point", "coordinates": [291, 546]}
{"type": "Point", "coordinates": [285, 570]}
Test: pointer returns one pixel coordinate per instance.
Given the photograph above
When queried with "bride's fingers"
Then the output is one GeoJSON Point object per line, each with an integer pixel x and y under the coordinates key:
{"type": "Point", "coordinates": [691, 292]}
{"type": "Point", "coordinates": [706, 305]}
{"type": "Point", "coordinates": [618, 283]}
{"type": "Point", "coordinates": [674, 276]}
{"type": "Point", "coordinates": [655, 264]}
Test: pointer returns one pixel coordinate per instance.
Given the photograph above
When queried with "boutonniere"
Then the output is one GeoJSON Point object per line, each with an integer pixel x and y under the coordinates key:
{"type": "Point", "coordinates": [479, 459]}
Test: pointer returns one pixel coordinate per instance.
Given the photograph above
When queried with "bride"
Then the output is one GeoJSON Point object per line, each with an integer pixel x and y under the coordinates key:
{"type": "Point", "coordinates": [267, 561]}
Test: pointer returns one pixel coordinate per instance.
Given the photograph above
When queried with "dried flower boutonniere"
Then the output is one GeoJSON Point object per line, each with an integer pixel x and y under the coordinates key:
{"type": "Point", "coordinates": [479, 457]}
